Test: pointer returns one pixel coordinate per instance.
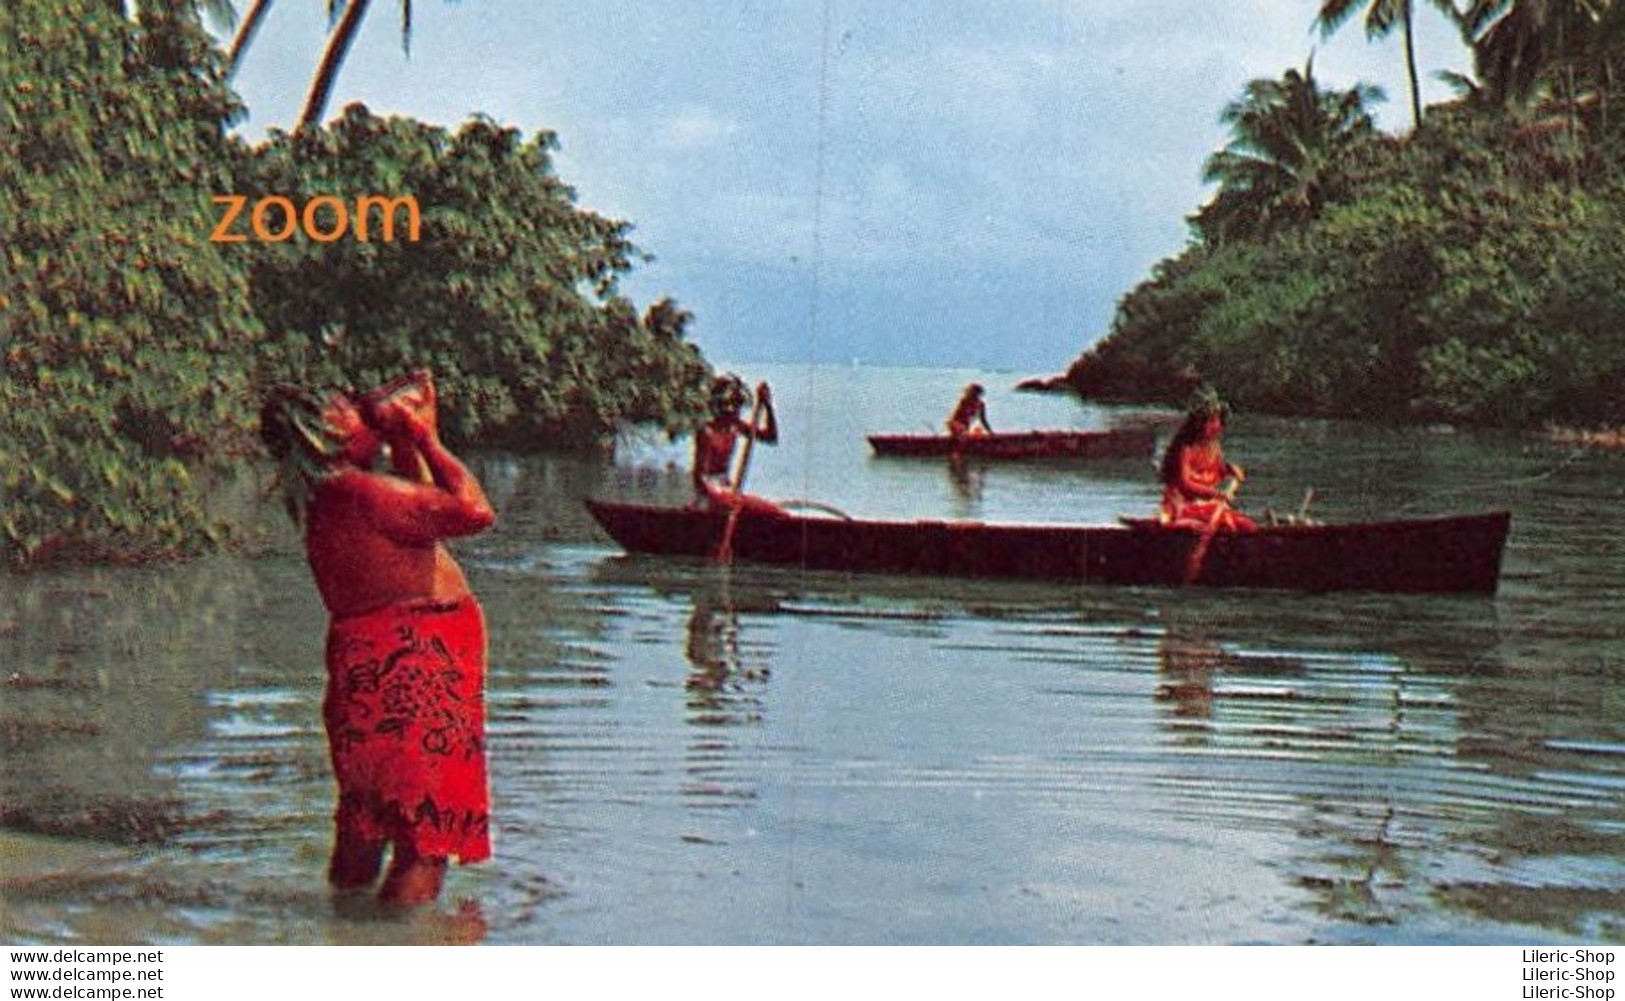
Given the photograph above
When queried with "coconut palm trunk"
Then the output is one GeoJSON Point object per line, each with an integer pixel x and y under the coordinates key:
{"type": "Point", "coordinates": [1410, 69]}
{"type": "Point", "coordinates": [321, 87]}
{"type": "Point", "coordinates": [1381, 18]}
{"type": "Point", "coordinates": [244, 37]}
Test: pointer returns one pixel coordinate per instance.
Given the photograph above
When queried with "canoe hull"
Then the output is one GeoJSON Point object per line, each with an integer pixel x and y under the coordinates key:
{"type": "Point", "coordinates": [1435, 555]}
{"type": "Point", "coordinates": [1117, 444]}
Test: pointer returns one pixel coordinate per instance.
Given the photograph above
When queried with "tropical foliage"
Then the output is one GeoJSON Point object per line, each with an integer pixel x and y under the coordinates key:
{"type": "Point", "coordinates": [510, 291]}
{"type": "Point", "coordinates": [338, 47]}
{"type": "Point", "coordinates": [122, 392]}
{"type": "Point", "coordinates": [346, 16]}
{"type": "Point", "coordinates": [1524, 49]}
{"type": "Point", "coordinates": [1382, 17]}
{"type": "Point", "coordinates": [1284, 162]}
{"type": "Point", "coordinates": [135, 348]}
{"type": "Point", "coordinates": [1468, 273]}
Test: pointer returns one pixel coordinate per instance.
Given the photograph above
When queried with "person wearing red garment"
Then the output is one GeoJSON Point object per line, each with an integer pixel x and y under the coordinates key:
{"type": "Point", "coordinates": [406, 647]}
{"type": "Point", "coordinates": [1193, 469]}
{"type": "Point", "coordinates": [716, 441]}
{"type": "Point", "coordinates": [970, 414]}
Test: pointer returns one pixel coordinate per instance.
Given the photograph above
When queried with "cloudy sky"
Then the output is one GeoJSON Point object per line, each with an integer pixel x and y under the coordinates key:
{"type": "Point", "coordinates": [967, 183]}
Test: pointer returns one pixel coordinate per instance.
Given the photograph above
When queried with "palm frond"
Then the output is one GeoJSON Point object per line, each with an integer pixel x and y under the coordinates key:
{"type": "Point", "coordinates": [221, 13]}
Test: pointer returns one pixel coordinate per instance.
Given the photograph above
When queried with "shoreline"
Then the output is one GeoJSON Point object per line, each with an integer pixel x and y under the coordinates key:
{"type": "Point", "coordinates": [1585, 437]}
{"type": "Point", "coordinates": [1588, 438]}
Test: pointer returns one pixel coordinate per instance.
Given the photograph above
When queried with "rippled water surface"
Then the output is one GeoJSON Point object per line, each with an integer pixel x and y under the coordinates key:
{"type": "Point", "coordinates": [684, 753]}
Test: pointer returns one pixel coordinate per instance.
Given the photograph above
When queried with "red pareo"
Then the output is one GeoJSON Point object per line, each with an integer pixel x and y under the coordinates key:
{"type": "Point", "coordinates": [405, 717]}
{"type": "Point", "coordinates": [967, 413]}
{"type": "Point", "coordinates": [1190, 502]}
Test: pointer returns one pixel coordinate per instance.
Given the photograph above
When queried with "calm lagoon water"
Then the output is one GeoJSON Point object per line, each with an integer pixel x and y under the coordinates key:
{"type": "Point", "coordinates": [685, 754]}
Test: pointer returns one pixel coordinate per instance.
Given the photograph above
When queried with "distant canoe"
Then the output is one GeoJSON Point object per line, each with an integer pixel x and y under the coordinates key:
{"type": "Point", "coordinates": [1447, 554]}
{"type": "Point", "coordinates": [1129, 443]}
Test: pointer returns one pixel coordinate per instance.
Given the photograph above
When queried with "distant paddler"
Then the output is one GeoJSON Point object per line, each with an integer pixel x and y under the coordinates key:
{"type": "Point", "coordinates": [970, 414]}
{"type": "Point", "coordinates": [1193, 469]}
{"type": "Point", "coordinates": [716, 482]}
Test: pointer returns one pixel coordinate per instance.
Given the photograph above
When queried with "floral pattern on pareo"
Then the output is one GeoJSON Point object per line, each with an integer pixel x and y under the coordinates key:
{"type": "Point", "coordinates": [406, 726]}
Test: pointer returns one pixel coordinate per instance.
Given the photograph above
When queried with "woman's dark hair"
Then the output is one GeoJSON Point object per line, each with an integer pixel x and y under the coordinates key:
{"type": "Point", "coordinates": [294, 431]}
{"type": "Point", "coordinates": [281, 412]}
{"type": "Point", "coordinates": [1204, 407]}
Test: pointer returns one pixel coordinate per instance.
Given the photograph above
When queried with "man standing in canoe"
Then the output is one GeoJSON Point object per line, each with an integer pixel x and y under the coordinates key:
{"type": "Point", "coordinates": [715, 483]}
{"type": "Point", "coordinates": [404, 709]}
{"type": "Point", "coordinates": [1192, 469]}
{"type": "Point", "coordinates": [970, 414]}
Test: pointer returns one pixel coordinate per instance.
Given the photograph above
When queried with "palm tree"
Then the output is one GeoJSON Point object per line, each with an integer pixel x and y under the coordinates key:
{"type": "Point", "coordinates": [1519, 44]}
{"type": "Point", "coordinates": [1381, 17]}
{"type": "Point", "coordinates": [348, 13]}
{"type": "Point", "coordinates": [327, 72]}
{"type": "Point", "coordinates": [1280, 166]}
{"type": "Point", "coordinates": [246, 30]}
{"type": "Point", "coordinates": [223, 12]}
{"type": "Point", "coordinates": [1549, 62]}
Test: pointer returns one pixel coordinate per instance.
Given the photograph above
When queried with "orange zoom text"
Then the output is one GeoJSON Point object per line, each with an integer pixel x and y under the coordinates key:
{"type": "Point", "coordinates": [324, 219]}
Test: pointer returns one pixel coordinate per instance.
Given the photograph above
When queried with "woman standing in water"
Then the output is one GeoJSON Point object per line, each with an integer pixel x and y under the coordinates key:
{"type": "Point", "coordinates": [404, 709]}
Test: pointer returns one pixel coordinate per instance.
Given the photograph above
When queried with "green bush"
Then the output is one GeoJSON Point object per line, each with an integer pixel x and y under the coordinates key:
{"type": "Point", "coordinates": [135, 348]}
{"type": "Point", "coordinates": [1462, 276]}
{"type": "Point", "coordinates": [122, 398]}
{"type": "Point", "coordinates": [509, 294]}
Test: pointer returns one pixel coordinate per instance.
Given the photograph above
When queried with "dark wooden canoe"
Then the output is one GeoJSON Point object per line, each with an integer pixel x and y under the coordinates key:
{"type": "Point", "coordinates": [1453, 554]}
{"type": "Point", "coordinates": [1127, 443]}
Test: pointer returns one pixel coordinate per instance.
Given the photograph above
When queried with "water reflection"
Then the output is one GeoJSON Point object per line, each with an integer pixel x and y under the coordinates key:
{"type": "Point", "coordinates": [1417, 772]}
{"type": "Point", "coordinates": [723, 693]}
{"type": "Point", "coordinates": [968, 480]}
{"type": "Point", "coordinates": [688, 753]}
{"type": "Point", "coordinates": [363, 921]}
{"type": "Point", "coordinates": [1187, 666]}
{"type": "Point", "coordinates": [103, 670]}
{"type": "Point", "coordinates": [724, 683]}
{"type": "Point", "coordinates": [1311, 743]}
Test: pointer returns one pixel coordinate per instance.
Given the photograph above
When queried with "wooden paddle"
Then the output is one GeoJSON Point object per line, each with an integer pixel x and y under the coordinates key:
{"type": "Point", "coordinates": [725, 551]}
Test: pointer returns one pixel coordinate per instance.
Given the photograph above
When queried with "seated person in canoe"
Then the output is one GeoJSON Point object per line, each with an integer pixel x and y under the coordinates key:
{"type": "Point", "coordinates": [970, 414]}
{"type": "Point", "coordinates": [715, 482]}
{"type": "Point", "coordinates": [1192, 470]}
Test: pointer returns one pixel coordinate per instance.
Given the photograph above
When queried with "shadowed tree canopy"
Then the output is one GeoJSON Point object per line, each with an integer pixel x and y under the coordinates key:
{"type": "Point", "coordinates": [124, 389]}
